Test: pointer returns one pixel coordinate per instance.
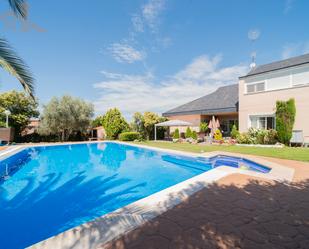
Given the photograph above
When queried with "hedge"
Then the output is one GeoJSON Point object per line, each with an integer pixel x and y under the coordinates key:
{"type": "Point", "coordinates": [129, 136]}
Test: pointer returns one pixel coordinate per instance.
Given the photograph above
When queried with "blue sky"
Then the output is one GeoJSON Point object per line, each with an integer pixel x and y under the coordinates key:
{"type": "Point", "coordinates": [149, 55]}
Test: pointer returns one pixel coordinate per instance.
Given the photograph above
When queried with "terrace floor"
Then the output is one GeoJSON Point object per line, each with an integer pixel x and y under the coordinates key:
{"type": "Point", "coordinates": [236, 212]}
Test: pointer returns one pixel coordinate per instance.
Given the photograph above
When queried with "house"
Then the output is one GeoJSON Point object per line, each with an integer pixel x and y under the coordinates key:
{"type": "Point", "coordinates": [223, 103]}
{"type": "Point", "coordinates": [32, 127]}
{"type": "Point", "coordinates": [252, 102]}
{"type": "Point", "coordinates": [264, 85]}
{"type": "Point", "coordinates": [97, 133]}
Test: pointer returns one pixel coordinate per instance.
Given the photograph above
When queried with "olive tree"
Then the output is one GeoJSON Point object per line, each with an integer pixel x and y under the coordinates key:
{"type": "Point", "coordinates": [138, 123]}
{"type": "Point", "coordinates": [62, 116]}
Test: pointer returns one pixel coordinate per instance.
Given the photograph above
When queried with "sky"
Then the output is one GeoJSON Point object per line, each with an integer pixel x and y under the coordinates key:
{"type": "Point", "coordinates": [149, 55]}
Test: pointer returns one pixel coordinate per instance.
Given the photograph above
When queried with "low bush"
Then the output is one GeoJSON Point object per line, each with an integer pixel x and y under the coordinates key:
{"type": "Point", "coordinates": [234, 132]}
{"type": "Point", "coordinates": [129, 136]}
{"type": "Point", "coordinates": [194, 135]}
{"type": "Point", "coordinates": [218, 135]}
{"type": "Point", "coordinates": [244, 138]}
{"type": "Point", "coordinates": [188, 133]}
{"type": "Point", "coordinates": [256, 136]}
{"type": "Point", "coordinates": [176, 134]}
{"type": "Point", "coordinates": [203, 127]}
{"type": "Point", "coordinates": [271, 137]}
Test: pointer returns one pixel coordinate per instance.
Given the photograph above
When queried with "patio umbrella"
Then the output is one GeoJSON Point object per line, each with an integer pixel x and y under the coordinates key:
{"type": "Point", "coordinates": [212, 125]}
{"type": "Point", "coordinates": [217, 124]}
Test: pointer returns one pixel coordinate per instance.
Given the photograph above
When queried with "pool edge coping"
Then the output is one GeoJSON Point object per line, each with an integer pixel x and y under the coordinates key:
{"type": "Point", "coordinates": [123, 220]}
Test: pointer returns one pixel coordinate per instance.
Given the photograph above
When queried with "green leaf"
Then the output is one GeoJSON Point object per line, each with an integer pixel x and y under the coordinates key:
{"type": "Point", "coordinates": [19, 8]}
{"type": "Point", "coordinates": [12, 63]}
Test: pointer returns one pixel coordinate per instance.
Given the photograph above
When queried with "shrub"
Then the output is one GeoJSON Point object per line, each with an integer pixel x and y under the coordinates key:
{"type": "Point", "coordinates": [271, 137]}
{"type": "Point", "coordinates": [194, 135]}
{"type": "Point", "coordinates": [244, 138]}
{"type": "Point", "coordinates": [260, 139]}
{"type": "Point", "coordinates": [203, 127]}
{"type": "Point", "coordinates": [114, 123]}
{"type": "Point", "coordinates": [188, 133]}
{"type": "Point", "coordinates": [129, 136]}
{"type": "Point", "coordinates": [234, 132]}
{"type": "Point", "coordinates": [256, 136]}
{"type": "Point", "coordinates": [285, 118]}
{"type": "Point", "coordinates": [218, 135]}
{"type": "Point", "coordinates": [176, 134]}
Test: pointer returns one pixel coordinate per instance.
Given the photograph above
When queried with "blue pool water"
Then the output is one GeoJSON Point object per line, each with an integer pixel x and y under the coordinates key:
{"type": "Point", "coordinates": [54, 188]}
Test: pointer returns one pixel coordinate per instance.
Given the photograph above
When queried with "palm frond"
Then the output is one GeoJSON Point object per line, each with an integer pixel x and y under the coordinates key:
{"type": "Point", "coordinates": [19, 8]}
{"type": "Point", "coordinates": [11, 62]}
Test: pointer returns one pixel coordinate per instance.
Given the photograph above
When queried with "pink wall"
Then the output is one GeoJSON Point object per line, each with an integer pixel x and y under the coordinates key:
{"type": "Point", "coordinates": [193, 118]}
{"type": "Point", "coordinates": [265, 103]}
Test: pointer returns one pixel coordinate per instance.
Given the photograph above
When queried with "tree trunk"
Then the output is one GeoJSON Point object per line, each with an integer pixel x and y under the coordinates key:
{"type": "Point", "coordinates": [62, 135]}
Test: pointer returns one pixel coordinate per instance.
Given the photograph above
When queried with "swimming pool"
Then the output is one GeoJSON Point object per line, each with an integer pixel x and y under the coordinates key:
{"type": "Point", "coordinates": [54, 188]}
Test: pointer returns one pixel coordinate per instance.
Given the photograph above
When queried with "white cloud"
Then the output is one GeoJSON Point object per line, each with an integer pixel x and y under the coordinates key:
{"type": "Point", "coordinates": [294, 49]}
{"type": "Point", "coordinates": [148, 18]}
{"type": "Point", "coordinates": [254, 34]}
{"type": "Point", "coordinates": [137, 22]}
{"type": "Point", "coordinates": [131, 93]}
{"type": "Point", "coordinates": [123, 52]}
{"type": "Point", "coordinates": [151, 12]}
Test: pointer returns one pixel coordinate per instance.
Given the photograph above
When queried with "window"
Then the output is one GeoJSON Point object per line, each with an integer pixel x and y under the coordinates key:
{"type": "Point", "coordinates": [278, 80]}
{"type": "Point", "coordinates": [257, 87]}
{"type": "Point", "coordinates": [227, 125]}
{"type": "Point", "coordinates": [260, 87]}
{"type": "Point", "coordinates": [262, 122]}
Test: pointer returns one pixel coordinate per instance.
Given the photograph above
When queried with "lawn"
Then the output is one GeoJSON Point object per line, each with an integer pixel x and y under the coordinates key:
{"type": "Point", "coordinates": [299, 154]}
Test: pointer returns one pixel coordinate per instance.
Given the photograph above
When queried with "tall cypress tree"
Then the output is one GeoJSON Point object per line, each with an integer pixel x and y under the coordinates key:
{"type": "Point", "coordinates": [285, 118]}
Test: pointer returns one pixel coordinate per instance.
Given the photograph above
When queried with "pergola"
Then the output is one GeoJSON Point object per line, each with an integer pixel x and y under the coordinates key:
{"type": "Point", "coordinates": [171, 123]}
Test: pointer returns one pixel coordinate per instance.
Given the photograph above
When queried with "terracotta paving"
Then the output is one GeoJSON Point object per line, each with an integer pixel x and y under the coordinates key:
{"type": "Point", "coordinates": [236, 212]}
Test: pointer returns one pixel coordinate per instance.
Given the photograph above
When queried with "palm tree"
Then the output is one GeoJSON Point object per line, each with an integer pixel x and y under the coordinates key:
{"type": "Point", "coordinates": [9, 59]}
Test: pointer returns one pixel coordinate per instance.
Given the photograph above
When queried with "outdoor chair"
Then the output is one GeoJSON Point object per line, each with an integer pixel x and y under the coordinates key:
{"type": "Point", "coordinates": [297, 138]}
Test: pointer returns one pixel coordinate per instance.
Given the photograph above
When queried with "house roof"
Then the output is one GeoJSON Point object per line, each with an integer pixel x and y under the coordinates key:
{"type": "Point", "coordinates": [291, 62]}
{"type": "Point", "coordinates": [223, 100]}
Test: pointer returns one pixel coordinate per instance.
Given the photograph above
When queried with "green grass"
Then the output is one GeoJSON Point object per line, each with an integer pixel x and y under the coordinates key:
{"type": "Point", "coordinates": [299, 154]}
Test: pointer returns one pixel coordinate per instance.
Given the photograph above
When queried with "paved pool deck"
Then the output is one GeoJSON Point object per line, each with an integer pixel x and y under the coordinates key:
{"type": "Point", "coordinates": [237, 211]}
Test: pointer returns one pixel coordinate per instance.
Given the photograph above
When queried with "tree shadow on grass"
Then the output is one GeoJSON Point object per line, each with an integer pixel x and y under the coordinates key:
{"type": "Point", "coordinates": [256, 215]}
{"type": "Point", "coordinates": [37, 213]}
